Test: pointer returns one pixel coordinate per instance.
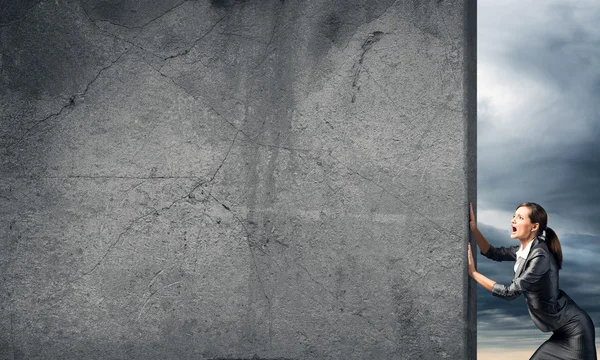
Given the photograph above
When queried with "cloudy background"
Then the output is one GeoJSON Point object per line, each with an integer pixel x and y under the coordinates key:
{"type": "Point", "coordinates": [538, 140]}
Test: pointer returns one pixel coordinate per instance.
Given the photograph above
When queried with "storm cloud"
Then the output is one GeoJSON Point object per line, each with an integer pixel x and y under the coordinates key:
{"type": "Point", "coordinates": [538, 127]}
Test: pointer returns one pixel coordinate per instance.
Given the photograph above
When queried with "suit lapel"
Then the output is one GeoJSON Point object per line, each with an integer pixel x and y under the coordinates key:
{"type": "Point", "coordinates": [520, 267]}
{"type": "Point", "coordinates": [522, 264]}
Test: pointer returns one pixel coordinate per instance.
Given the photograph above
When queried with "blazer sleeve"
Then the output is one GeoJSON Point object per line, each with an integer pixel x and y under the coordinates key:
{"type": "Point", "coordinates": [501, 253]}
{"type": "Point", "coordinates": [537, 265]}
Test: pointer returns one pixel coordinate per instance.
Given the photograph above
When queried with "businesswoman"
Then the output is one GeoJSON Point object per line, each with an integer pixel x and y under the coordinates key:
{"type": "Point", "coordinates": [538, 259]}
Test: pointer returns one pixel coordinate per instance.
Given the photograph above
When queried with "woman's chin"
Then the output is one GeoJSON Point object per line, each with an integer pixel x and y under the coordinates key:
{"type": "Point", "coordinates": [513, 235]}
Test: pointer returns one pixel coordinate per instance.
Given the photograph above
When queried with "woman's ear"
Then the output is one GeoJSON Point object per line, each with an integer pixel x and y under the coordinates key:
{"type": "Point", "coordinates": [535, 227]}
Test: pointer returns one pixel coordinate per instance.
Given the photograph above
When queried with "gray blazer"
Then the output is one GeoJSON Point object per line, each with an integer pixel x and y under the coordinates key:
{"type": "Point", "coordinates": [537, 278]}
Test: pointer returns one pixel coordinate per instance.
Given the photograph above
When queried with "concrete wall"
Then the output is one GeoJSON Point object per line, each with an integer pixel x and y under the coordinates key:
{"type": "Point", "coordinates": [233, 179]}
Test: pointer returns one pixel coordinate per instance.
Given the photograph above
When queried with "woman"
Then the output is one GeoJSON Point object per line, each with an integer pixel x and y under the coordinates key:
{"type": "Point", "coordinates": [538, 259]}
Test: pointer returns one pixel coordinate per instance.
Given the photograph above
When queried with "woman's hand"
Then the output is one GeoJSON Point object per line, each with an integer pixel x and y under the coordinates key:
{"type": "Point", "coordinates": [481, 280]}
{"type": "Point", "coordinates": [471, 261]}
{"type": "Point", "coordinates": [472, 223]}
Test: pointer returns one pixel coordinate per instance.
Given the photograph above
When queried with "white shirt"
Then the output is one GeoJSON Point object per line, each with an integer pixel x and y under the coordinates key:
{"type": "Point", "coordinates": [523, 253]}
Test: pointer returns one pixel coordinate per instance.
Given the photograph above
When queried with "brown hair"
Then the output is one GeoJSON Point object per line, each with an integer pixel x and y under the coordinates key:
{"type": "Point", "coordinates": [539, 215]}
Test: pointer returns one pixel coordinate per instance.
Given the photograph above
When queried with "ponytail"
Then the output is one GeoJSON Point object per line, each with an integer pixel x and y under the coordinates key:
{"type": "Point", "coordinates": [554, 245]}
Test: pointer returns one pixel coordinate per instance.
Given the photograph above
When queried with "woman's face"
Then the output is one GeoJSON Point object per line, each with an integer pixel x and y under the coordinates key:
{"type": "Point", "coordinates": [522, 228]}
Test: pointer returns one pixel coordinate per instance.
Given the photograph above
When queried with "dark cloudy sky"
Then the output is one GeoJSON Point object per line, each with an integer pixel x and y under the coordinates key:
{"type": "Point", "coordinates": [538, 140]}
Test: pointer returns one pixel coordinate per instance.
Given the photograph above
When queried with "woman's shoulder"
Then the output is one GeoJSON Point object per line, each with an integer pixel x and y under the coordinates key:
{"type": "Point", "coordinates": [540, 248]}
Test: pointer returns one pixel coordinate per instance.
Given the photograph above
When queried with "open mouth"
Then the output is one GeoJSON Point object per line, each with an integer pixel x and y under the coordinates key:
{"type": "Point", "coordinates": [514, 229]}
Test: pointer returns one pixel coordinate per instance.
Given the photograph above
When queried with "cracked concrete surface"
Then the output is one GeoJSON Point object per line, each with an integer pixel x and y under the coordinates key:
{"type": "Point", "coordinates": [229, 179]}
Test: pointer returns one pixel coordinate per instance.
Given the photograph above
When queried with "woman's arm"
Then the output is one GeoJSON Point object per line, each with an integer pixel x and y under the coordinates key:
{"type": "Point", "coordinates": [487, 250]}
{"type": "Point", "coordinates": [483, 281]}
{"type": "Point", "coordinates": [483, 244]}
{"type": "Point", "coordinates": [536, 267]}
{"type": "Point", "coordinates": [480, 278]}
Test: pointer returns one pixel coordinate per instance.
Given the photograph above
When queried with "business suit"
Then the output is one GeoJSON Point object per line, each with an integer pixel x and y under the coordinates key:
{"type": "Point", "coordinates": [550, 308]}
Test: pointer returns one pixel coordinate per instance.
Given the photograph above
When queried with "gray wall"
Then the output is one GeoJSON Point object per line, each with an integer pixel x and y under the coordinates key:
{"type": "Point", "coordinates": [235, 179]}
